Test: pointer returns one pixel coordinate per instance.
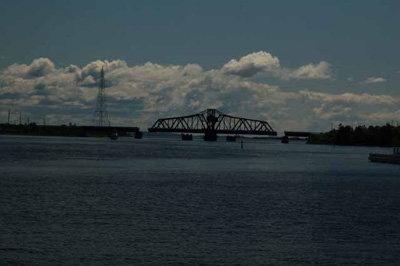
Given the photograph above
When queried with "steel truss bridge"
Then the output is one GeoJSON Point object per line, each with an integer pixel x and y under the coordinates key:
{"type": "Point", "coordinates": [212, 122]}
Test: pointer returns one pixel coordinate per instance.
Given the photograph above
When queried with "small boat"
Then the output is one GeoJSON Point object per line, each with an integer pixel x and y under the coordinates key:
{"type": "Point", "coordinates": [114, 135]}
{"type": "Point", "coordinates": [386, 158]}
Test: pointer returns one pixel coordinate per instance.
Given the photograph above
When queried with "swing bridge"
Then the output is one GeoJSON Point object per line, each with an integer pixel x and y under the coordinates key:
{"type": "Point", "coordinates": [212, 122]}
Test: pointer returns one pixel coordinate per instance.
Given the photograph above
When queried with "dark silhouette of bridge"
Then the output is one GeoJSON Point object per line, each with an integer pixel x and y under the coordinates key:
{"type": "Point", "coordinates": [212, 122]}
{"type": "Point", "coordinates": [295, 134]}
{"type": "Point", "coordinates": [298, 134]}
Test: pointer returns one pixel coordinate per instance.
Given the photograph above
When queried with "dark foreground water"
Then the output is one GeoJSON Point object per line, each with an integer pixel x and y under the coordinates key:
{"type": "Point", "coordinates": [81, 201]}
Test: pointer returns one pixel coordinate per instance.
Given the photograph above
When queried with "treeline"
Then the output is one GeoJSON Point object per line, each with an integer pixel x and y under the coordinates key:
{"type": "Point", "coordinates": [384, 136]}
{"type": "Point", "coordinates": [41, 130]}
{"type": "Point", "coordinates": [71, 130]}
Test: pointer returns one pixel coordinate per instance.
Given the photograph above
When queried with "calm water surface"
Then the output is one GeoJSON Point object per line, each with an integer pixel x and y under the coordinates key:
{"type": "Point", "coordinates": [82, 201]}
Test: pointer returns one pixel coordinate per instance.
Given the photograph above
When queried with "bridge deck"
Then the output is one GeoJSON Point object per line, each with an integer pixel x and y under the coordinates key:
{"type": "Point", "coordinates": [297, 134]}
{"type": "Point", "coordinates": [231, 132]}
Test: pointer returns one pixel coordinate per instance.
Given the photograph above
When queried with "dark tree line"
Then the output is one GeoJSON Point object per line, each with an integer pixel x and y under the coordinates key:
{"type": "Point", "coordinates": [384, 136]}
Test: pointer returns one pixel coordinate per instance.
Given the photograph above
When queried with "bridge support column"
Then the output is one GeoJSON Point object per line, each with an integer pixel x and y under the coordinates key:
{"type": "Point", "coordinates": [230, 138]}
{"type": "Point", "coordinates": [187, 137]}
{"type": "Point", "coordinates": [210, 136]}
{"type": "Point", "coordinates": [138, 135]}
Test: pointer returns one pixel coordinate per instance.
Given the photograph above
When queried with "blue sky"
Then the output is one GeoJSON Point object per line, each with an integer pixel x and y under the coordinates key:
{"type": "Point", "coordinates": [358, 40]}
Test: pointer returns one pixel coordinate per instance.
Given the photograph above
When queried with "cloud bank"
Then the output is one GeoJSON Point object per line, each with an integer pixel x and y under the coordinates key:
{"type": "Point", "coordinates": [138, 95]}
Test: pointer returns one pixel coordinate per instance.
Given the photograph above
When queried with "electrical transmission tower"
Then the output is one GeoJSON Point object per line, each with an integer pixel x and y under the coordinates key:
{"type": "Point", "coordinates": [100, 114]}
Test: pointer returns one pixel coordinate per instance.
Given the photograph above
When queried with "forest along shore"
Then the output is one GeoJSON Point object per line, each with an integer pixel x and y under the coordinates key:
{"type": "Point", "coordinates": [382, 136]}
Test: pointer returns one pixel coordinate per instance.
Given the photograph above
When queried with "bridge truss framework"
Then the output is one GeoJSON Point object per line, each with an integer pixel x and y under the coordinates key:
{"type": "Point", "coordinates": [212, 122]}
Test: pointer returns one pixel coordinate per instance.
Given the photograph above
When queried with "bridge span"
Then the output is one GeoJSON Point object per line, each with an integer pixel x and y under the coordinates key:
{"type": "Point", "coordinates": [212, 122]}
{"type": "Point", "coordinates": [296, 134]}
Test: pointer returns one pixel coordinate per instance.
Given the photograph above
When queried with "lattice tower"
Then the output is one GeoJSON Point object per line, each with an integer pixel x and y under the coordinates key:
{"type": "Point", "coordinates": [101, 114]}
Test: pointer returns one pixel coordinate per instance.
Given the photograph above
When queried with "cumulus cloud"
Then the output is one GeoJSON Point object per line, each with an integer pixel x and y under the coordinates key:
{"type": "Point", "coordinates": [140, 94]}
{"type": "Point", "coordinates": [263, 62]}
{"type": "Point", "coordinates": [39, 67]}
{"type": "Point", "coordinates": [322, 70]}
{"type": "Point", "coordinates": [251, 64]}
{"type": "Point", "coordinates": [93, 69]}
{"type": "Point", "coordinates": [372, 80]}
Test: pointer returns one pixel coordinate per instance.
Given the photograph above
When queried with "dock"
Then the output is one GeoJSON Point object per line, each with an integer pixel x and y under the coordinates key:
{"type": "Point", "coordinates": [386, 158]}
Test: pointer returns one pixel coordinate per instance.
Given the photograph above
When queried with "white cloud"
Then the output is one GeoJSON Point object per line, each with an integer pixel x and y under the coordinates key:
{"type": "Point", "coordinates": [263, 62]}
{"type": "Point", "coordinates": [39, 67]}
{"type": "Point", "coordinates": [251, 64]}
{"type": "Point", "coordinates": [372, 80]}
{"type": "Point", "coordinates": [321, 70]}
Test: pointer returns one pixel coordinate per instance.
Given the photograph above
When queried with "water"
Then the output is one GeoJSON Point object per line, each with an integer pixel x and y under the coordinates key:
{"type": "Point", "coordinates": [82, 201]}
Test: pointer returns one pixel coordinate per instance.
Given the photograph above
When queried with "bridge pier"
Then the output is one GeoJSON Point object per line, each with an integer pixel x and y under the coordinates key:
{"type": "Point", "coordinates": [231, 138]}
{"type": "Point", "coordinates": [138, 135]}
{"type": "Point", "coordinates": [210, 136]}
{"type": "Point", "coordinates": [296, 134]}
{"type": "Point", "coordinates": [187, 136]}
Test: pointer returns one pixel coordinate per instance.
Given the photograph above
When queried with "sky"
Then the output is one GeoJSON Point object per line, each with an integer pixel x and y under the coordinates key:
{"type": "Point", "coordinates": [300, 65]}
